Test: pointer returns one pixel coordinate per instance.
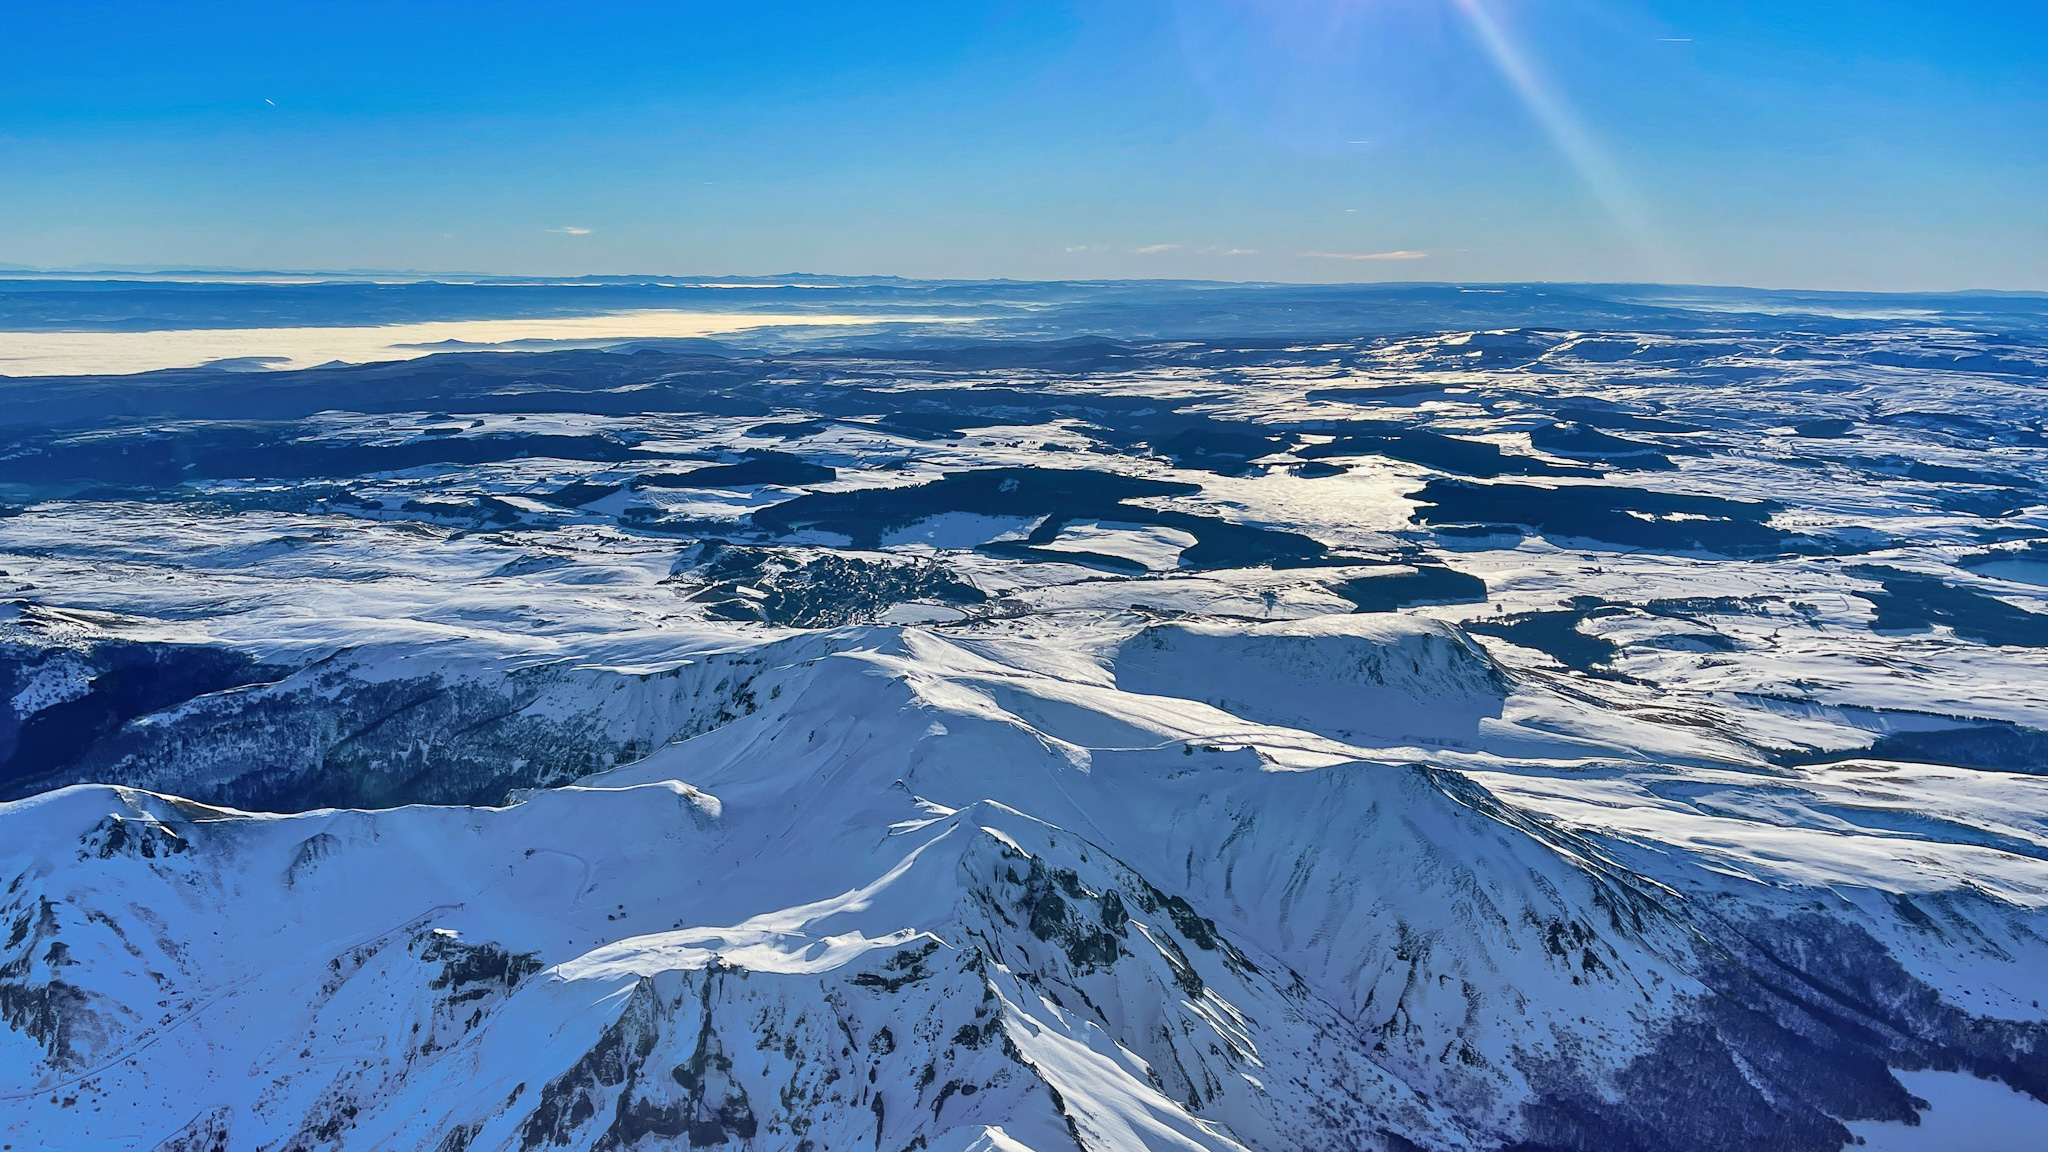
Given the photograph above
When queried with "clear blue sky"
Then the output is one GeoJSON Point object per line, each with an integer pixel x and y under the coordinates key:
{"type": "Point", "coordinates": [1795, 143]}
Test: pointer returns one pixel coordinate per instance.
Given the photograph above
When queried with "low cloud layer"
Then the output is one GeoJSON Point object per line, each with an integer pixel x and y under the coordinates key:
{"type": "Point", "coordinates": [1402, 254]}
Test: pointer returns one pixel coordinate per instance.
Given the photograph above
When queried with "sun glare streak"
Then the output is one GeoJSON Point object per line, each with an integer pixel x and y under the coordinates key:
{"type": "Point", "coordinates": [1561, 122]}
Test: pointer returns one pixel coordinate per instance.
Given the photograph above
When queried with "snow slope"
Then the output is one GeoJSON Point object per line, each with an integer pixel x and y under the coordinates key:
{"type": "Point", "coordinates": [1624, 734]}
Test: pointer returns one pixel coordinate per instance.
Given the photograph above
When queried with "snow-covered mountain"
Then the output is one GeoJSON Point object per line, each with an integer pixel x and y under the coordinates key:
{"type": "Point", "coordinates": [1629, 734]}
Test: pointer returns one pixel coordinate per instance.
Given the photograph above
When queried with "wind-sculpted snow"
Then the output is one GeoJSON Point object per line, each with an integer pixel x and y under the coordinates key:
{"type": "Point", "coordinates": [1110, 717]}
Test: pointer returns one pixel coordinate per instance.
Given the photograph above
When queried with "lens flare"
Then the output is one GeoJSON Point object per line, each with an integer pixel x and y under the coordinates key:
{"type": "Point", "coordinates": [1330, 77]}
{"type": "Point", "coordinates": [1350, 77]}
{"type": "Point", "coordinates": [1568, 132]}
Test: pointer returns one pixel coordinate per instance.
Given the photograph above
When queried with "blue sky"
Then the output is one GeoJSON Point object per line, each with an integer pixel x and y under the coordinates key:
{"type": "Point", "coordinates": [1877, 144]}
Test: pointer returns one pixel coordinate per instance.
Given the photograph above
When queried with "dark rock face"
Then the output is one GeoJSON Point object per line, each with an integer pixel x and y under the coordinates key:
{"type": "Point", "coordinates": [136, 839]}
{"type": "Point", "coordinates": [468, 971]}
{"type": "Point", "coordinates": [816, 592]}
{"type": "Point", "coordinates": [672, 1071]}
{"type": "Point", "coordinates": [1802, 1024]}
{"type": "Point", "coordinates": [68, 1023]}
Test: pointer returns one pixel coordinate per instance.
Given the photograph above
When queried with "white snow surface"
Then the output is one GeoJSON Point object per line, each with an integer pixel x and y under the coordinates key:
{"type": "Point", "coordinates": [1197, 858]}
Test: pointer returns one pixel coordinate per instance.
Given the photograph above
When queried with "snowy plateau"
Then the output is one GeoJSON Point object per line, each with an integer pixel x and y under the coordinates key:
{"type": "Point", "coordinates": [1028, 718]}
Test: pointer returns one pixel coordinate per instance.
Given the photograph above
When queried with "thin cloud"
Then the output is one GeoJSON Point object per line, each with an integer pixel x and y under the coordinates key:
{"type": "Point", "coordinates": [1402, 254]}
{"type": "Point", "coordinates": [571, 230]}
{"type": "Point", "coordinates": [1153, 249]}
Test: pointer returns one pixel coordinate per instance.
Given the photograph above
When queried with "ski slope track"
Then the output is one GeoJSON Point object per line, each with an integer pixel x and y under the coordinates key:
{"type": "Point", "coordinates": [1134, 717]}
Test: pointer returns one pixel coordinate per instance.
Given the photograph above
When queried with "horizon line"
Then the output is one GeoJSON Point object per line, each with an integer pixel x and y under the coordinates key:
{"type": "Point", "coordinates": [224, 273]}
